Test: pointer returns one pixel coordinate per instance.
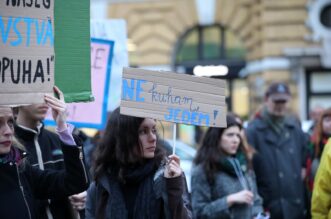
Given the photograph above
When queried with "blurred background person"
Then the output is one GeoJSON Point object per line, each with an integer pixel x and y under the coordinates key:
{"type": "Point", "coordinates": [279, 162]}
{"type": "Point", "coordinates": [321, 200]}
{"type": "Point", "coordinates": [222, 185]}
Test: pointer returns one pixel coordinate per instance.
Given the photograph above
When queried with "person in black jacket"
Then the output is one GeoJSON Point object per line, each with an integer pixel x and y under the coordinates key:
{"type": "Point", "coordinates": [22, 184]}
{"type": "Point", "coordinates": [44, 151]}
{"type": "Point", "coordinates": [133, 180]}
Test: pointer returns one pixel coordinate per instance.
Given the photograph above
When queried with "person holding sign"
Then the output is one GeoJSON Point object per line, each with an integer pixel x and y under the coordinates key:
{"type": "Point", "coordinates": [21, 183]}
{"type": "Point", "coordinates": [44, 150]}
{"type": "Point", "coordinates": [133, 177]}
{"type": "Point", "coordinates": [223, 183]}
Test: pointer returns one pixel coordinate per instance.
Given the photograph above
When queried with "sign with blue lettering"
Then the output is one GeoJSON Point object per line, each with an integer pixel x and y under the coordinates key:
{"type": "Point", "coordinates": [173, 97]}
{"type": "Point", "coordinates": [26, 51]}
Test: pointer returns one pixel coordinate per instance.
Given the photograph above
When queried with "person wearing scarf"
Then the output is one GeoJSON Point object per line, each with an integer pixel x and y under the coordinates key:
{"type": "Point", "coordinates": [21, 184]}
{"type": "Point", "coordinates": [223, 182]}
{"type": "Point", "coordinates": [133, 179]}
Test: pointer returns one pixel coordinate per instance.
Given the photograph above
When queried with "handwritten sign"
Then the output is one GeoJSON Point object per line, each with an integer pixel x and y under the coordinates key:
{"type": "Point", "coordinates": [93, 114]}
{"type": "Point", "coordinates": [173, 97]}
{"type": "Point", "coordinates": [26, 51]}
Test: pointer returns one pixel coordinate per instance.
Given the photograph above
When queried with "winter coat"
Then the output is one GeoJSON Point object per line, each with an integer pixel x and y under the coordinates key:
{"type": "Point", "coordinates": [321, 200]}
{"type": "Point", "coordinates": [44, 151]}
{"type": "Point", "coordinates": [172, 193]}
{"type": "Point", "coordinates": [209, 201]}
{"type": "Point", "coordinates": [278, 164]}
{"type": "Point", "coordinates": [20, 185]}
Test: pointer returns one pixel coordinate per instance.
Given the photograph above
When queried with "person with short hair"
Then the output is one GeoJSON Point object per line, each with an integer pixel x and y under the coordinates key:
{"type": "Point", "coordinates": [279, 162]}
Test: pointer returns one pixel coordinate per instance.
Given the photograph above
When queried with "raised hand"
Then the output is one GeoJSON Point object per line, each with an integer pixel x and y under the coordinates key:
{"type": "Point", "coordinates": [58, 107]}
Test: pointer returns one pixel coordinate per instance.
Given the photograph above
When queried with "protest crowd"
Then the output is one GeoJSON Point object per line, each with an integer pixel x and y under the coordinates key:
{"type": "Point", "coordinates": [266, 167]}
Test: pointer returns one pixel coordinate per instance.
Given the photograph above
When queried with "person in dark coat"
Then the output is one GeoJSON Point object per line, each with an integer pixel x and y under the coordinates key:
{"type": "Point", "coordinates": [279, 163]}
{"type": "Point", "coordinates": [44, 151]}
{"type": "Point", "coordinates": [22, 184]}
{"type": "Point", "coordinates": [133, 177]}
{"type": "Point", "coordinates": [223, 182]}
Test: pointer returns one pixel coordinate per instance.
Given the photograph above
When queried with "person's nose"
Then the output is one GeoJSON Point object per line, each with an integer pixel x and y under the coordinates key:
{"type": "Point", "coordinates": [152, 136]}
{"type": "Point", "coordinates": [7, 130]}
{"type": "Point", "coordinates": [236, 139]}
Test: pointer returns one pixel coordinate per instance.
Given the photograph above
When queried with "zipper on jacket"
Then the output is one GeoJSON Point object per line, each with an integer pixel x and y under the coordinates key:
{"type": "Point", "coordinates": [22, 190]}
{"type": "Point", "coordinates": [81, 157]}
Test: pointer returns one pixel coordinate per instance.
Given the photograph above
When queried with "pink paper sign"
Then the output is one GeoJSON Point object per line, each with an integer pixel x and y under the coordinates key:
{"type": "Point", "coordinates": [93, 114]}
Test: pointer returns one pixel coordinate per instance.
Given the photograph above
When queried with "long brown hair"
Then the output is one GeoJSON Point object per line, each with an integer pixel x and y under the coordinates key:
{"type": "Point", "coordinates": [119, 147]}
{"type": "Point", "coordinates": [208, 154]}
{"type": "Point", "coordinates": [318, 133]}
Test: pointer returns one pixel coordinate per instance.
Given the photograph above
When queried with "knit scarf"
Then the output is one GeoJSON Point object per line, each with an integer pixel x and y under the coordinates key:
{"type": "Point", "coordinates": [231, 166]}
{"type": "Point", "coordinates": [276, 123]}
{"type": "Point", "coordinates": [146, 206]}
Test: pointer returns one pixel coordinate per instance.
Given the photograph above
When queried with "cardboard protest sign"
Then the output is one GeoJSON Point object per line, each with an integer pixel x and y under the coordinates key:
{"type": "Point", "coordinates": [26, 51]}
{"type": "Point", "coordinates": [173, 97]}
{"type": "Point", "coordinates": [115, 30]}
{"type": "Point", "coordinates": [94, 114]}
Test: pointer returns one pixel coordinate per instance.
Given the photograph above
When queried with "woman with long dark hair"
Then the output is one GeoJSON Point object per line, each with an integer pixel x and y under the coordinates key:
{"type": "Point", "coordinates": [223, 182]}
{"type": "Point", "coordinates": [133, 177]}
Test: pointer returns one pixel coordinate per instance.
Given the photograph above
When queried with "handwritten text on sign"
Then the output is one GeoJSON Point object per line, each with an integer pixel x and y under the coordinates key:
{"type": "Point", "coordinates": [173, 97]}
{"type": "Point", "coordinates": [26, 50]}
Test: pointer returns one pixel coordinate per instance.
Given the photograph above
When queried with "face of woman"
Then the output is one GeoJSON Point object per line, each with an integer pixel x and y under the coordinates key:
{"type": "Point", "coordinates": [326, 123]}
{"type": "Point", "coordinates": [6, 129]}
{"type": "Point", "coordinates": [147, 137]}
{"type": "Point", "coordinates": [230, 140]}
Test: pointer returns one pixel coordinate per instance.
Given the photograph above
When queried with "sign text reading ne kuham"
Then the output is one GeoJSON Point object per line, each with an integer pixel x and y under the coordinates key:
{"type": "Point", "coordinates": [173, 97]}
{"type": "Point", "coordinates": [26, 47]}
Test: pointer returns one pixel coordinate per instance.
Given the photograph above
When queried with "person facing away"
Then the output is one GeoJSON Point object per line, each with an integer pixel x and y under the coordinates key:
{"type": "Point", "coordinates": [279, 162]}
{"type": "Point", "coordinates": [223, 183]}
{"type": "Point", "coordinates": [133, 177]}
{"type": "Point", "coordinates": [21, 183]}
{"type": "Point", "coordinates": [44, 151]}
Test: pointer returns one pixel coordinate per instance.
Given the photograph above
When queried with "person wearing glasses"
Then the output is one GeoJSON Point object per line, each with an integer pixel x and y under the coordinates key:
{"type": "Point", "coordinates": [279, 160]}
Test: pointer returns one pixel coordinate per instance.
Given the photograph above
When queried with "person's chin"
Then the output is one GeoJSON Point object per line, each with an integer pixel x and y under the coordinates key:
{"type": "Point", "coordinates": [5, 150]}
{"type": "Point", "coordinates": [149, 156]}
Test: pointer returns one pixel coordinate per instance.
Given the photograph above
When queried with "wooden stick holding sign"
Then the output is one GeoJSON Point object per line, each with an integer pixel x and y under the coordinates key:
{"type": "Point", "coordinates": [173, 97]}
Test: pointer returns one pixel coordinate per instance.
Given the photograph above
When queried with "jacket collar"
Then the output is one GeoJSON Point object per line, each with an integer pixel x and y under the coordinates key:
{"type": "Point", "coordinates": [288, 122]}
{"type": "Point", "coordinates": [26, 133]}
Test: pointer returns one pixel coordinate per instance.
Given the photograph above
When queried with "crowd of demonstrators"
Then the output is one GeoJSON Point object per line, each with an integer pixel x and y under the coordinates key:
{"type": "Point", "coordinates": [133, 177]}
{"type": "Point", "coordinates": [22, 184]}
{"type": "Point", "coordinates": [222, 185]}
{"type": "Point", "coordinates": [44, 152]}
{"type": "Point", "coordinates": [279, 162]}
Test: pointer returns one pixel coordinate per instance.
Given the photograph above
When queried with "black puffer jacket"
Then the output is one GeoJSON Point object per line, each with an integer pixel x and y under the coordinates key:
{"type": "Point", "coordinates": [21, 186]}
